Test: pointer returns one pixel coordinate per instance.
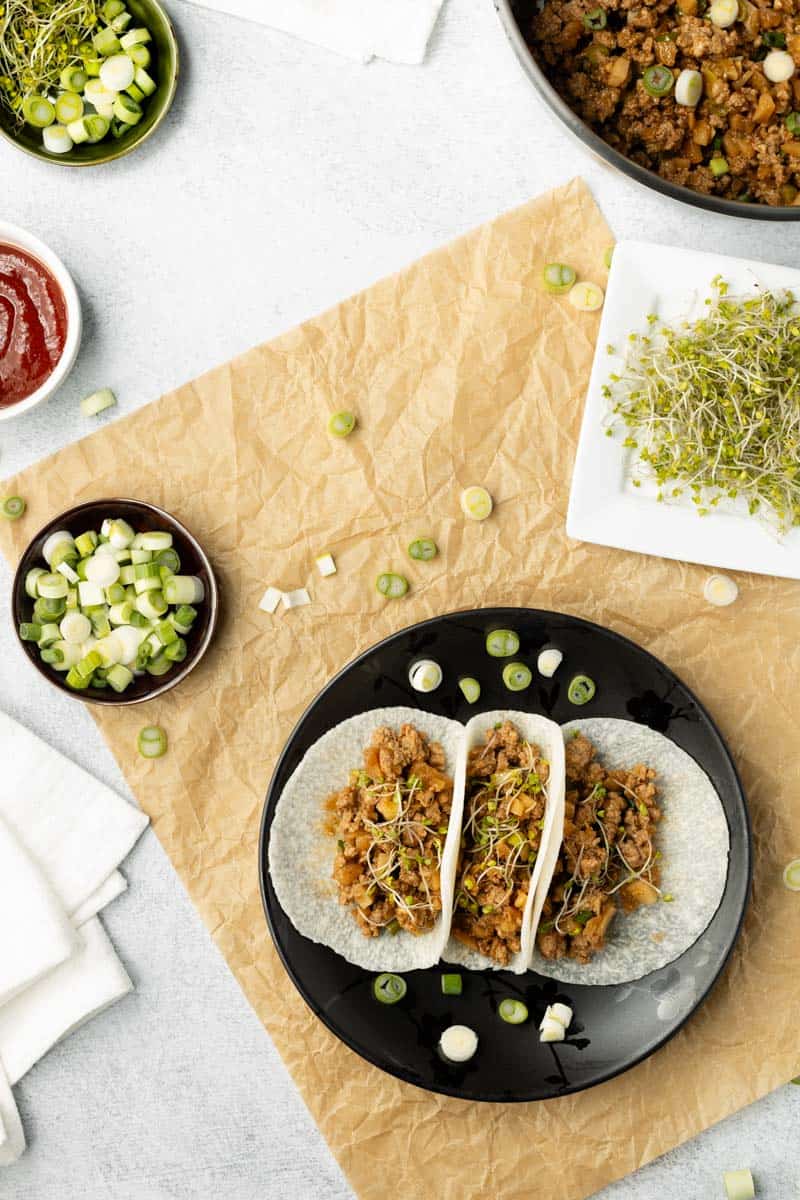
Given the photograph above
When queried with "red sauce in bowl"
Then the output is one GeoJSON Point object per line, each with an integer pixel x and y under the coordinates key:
{"type": "Point", "coordinates": [33, 324]}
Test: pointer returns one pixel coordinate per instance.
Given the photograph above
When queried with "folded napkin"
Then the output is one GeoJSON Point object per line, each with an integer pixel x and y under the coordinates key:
{"type": "Point", "coordinates": [75, 828]}
{"type": "Point", "coordinates": [397, 30]}
{"type": "Point", "coordinates": [36, 933]}
{"type": "Point", "coordinates": [62, 837]}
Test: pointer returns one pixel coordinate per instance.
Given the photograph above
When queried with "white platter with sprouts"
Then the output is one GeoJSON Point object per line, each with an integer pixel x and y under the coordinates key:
{"type": "Point", "coordinates": [614, 501]}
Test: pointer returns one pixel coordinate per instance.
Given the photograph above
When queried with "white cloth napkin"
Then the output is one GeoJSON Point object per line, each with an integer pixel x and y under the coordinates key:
{"type": "Point", "coordinates": [35, 932]}
{"type": "Point", "coordinates": [62, 837]}
{"type": "Point", "coordinates": [397, 30]}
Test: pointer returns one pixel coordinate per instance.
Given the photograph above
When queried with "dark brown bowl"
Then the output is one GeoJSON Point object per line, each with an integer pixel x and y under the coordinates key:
{"type": "Point", "coordinates": [140, 515]}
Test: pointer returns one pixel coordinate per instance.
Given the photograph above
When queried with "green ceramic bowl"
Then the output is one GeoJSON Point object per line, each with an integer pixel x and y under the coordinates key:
{"type": "Point", "coordinates": [164, 70]}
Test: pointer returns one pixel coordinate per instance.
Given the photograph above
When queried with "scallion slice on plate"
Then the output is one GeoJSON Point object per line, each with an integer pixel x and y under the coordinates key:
{"type": "Point", "coordinates": [451, 984]}
{"type": "Point", "coordinates": [388, 988]}
{"type": "Point", "coordinates": [513, 1012]}
{"type": "Point", "coordinates": [152, 741]}
{"type": "Point", "coordinates": [516, 676]}
{"type": "Point", "coordinates": [502, 643]}
{"type": "Point", "coordinates": [470, 689]}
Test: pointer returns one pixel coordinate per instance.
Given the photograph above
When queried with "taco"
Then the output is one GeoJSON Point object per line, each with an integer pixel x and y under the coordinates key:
{"type": "Point", "coordinates": [512, 797]}
{"type": "Point", "coordinates": [642, 863]}
{"type": "Point", "coordinates": [365, 836]}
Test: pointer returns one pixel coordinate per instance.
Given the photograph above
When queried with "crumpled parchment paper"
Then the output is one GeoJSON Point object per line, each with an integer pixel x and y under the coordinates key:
{"type": "Point", "coordinates": [461, 371]}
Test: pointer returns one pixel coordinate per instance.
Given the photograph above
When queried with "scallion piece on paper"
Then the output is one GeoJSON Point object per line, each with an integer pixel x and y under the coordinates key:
{"type": "Point", "coordinates": [152, 741]}
{"type": "Point", "coordinates": [791, 875]}
{"type": "Point", "coordinates": [558, 278]}
{"type": "Point", "coordinates": [342, 424]}
{"type": "Point", "coordinates": [391, 585]}
{"type": "Point", "coordinates": [423, 549]}
{"type": "Point", "coordinates": [13, 507]}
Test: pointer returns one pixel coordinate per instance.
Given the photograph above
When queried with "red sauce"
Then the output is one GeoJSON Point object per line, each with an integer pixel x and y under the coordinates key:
{"type": "Point", "coordinates": [33, 324]}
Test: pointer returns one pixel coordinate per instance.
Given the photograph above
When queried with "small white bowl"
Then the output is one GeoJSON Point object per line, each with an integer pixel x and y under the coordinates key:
{"type": "Point", "coordinates": [14, 236]}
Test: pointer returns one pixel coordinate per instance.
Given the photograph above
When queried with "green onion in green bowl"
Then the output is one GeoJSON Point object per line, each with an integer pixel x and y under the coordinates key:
{"type": "Point", "coordinates": [68, 65]}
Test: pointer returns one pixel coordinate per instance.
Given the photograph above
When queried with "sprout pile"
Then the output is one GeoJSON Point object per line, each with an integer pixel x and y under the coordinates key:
{"type": "Point", "coordinates": [711, 407]}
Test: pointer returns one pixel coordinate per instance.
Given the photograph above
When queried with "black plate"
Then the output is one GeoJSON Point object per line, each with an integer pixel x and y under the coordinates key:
{"type": "Point", "coordinates": [614, 1027]}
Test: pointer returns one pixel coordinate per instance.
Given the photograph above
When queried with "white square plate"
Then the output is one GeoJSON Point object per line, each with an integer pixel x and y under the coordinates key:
{"type": "Point", "coordinates": [604, 507]}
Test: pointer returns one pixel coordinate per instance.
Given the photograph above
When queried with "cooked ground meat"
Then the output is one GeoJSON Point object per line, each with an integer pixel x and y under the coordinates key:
{"type": "Point", "coordinates": [741, 119]}
{"type": "Point", "coordinates": [504, 814]}
{"type": "Point", "coordinates": [610, 823]}
{"type": "Point", "coordinates": [390, 823]}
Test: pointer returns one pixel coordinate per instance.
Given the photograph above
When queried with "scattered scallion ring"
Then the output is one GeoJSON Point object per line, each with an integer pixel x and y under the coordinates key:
{"type": "Point", "coordinates": [513, 1012]}
{"type": "Point", "coordinates": [558, 278]}
{"type": "Point", "coordinates": [658, 80]}
{"type": "Point", "coordinates": [152, 741]}
{"type": "Point", "coordinates": [595, 19]}
{"type": "Point", "coordinates": [502, 643]}
{"type": "Point", "coordinates": [608, 254]}
{"type": "Point", "coordinates": [719, 166]}
{"type": "Point", "coordinates": [13, 507]}
{"type": "Point", "coordinates": [516, 676]}
{"type": "Point", "coordinates": [451, 985]}
{"type": "Point", "coordinates": [739, 1185]}
{"type": "Point", "coordinates": [388, 988]}
{"type": "Point", "coordinates": [423, 549]}
{"type": "Point", "coordinates": [581, 690]}
{"type": "Point", "coordinates": [342, 424]}
{"type": "Point", "coordinates": [38, 111]}
{"type": "Point", "coordinates": [792, 122]}
{"type": "Point", "coordinates": [391, 585]}
{"type": "Point", "coordinates": [791, 875]}
{"type": "Point", "coordinates": [470, 689]}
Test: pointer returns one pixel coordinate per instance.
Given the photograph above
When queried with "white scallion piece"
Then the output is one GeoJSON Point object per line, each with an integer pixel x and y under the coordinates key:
{"type": "Point", "coordinates": [476, 503]}
{"type": "Point", "coordinates": [779, 66]}
{"type": "Point", "coordinates": [296, 599]}
{"type": "Point", "coordinates": [117, 72]}
{"type": "Point", "coordinates": [586, 297]}
{"type": "Point", "coordinates": [551, 1030]}
{"type": "Point", "coordinates": [723, 13]}
{"type": "Point", "coordinates": [120, 535]}
{"type": "Point", "coordinates": [458, 1043]}
{"type": "Point", "coordinates": [425, 675]}
{"type": "Point", "coordinates": [66, 570]}
{"type": "Point", "coordinates": [98, 402]}
{"type": "Point", "coordinates": [55, 539]}
{"type": "Point", "coordinates": [75, 628]}
{"type": "Point", "coordinates": [71, 655]}
{"type": "Point", "coordinates": [739, 1185]}
{"type": "Point", "coordinates": [103, 569]}
{"type": "Point", "coordinates": [548, 662]}
{"type": "Point", "coordinates": [110, 649]}
{"type": "Point", "coordinates": [182, 589]}
{"type": "Point", "coordinates": [270, 600]}
{"type": "Point", "coordinates": [154, 540]}
{"type": "Point", "coordinates": [90, 595]}
{"type": "Point", "coordinates": [56, 139]}
{"type": "Point", "coordinates": [129, 638]}
{"type": "Point", "coordinates": [561, 1013]}
{"type": "Point", "coordinates": [325, 565]}
{"type": "Point", "coordinates": [689, 88]}
{"type": "Point", "coordinates": [720, 590]}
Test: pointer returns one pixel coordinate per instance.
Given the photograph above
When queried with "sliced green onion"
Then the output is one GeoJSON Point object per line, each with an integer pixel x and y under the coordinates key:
{"type": "Point", "coordinates": [792, 121]}
{"type": "Point", "coordinates": [112, 9]}
{"type": "Point", "coordinates": [513, 1012]}
{"type": "Point", "coordinates": [119, 677]}
{"type": "Point", "coordinates": [516, 676]}
{"type": "Point", "coordinates": [184, 617]}
{"type": "Point", "coordinates": [558, 278]}
{"type": "Point", "coordinates": [476, 503]}
{"type": "Point", "coordinates": [38, 111]}
{"type": "Point", "coordinates": [176, 651]}
{"type": "Point", "coordinates": [791, 875]}
{"type": "Point", "coordinates": [97, 126]}
{"type": "Point", "coordinates": [127, 110]}
{"type": "Point", "coordinates": [586, 296]}
{"type": "Point", "coordinates": [31, 580]}
{"type": "Point", "coordinates": [425, 675]}
{"type": "Point", "coordinates": [658, 80]}
{"type": "Point", "coordinates": [391, 585]}
{"type": "Point", "coordinates": [121, 23]}
{"type": "Point", "coordinates": [117, 73]}
{"type": "Point", "coordinates": [184, 589]}
{"type": "Point", "coordinates": [739, 1185]}
{"type": "Point", "coordinates": [75, 680]}
{"type": "Point", "coordinates": [99, 401]}
{"type": "Point", "coordinates": [106, 43]}
{"type": "Point", "coordinates": [470, 688]}
{"type": "Point", "coordinates": [719, 166]}
{"type": "Point", "coordinates": [50, 633]}
{"type": "Point", "coordinates": [53, 586]}
{"type": "Point", "coordinates": [581, 690]}
{"type": "Point", "coordinates": [75, 628]}
{"type": "Point", "coordinates": [85, 543]}
{"type": "Point", "coordinates": [502, 643]}
{"type": "Point", "coordinates": [158, 665]}
{"type": "Point", "coordinates": [139, 56]}
{"type": "Point", "coordinates": [47, 610]}
{"type": "Point", "coordinates": [152, 741]}
{"type": "Point", "coordinates": [595, 19]}
{"type": "Point", "coordinates": [136, 37]}
{"type": "Point", "coordinates": [73, 79]}
{"type": "Point", "coordinates": [154, 540]}
{"type": "Point", "coordinates": [52, 656]}
{"type": "Point", "coordinates": [168, 558]}
{"type": "Point", "coordinates": [388, 988]}
{"type": "Point", "coordinates": [423, 549]}
{"type": "Point", "coordinates": [144, 82]}
{"type": "Point", "coordinates": [13, 507]}
{"type": "Point", "coordinates": [30, 631]}
{"type": "Point", "coordinates": [342, 424]}
{"type": "Point", "coordinates": [451, 985]}
{"type": "Point", "coordinates": [69, 107]}
{"type": "Point", "coordinates": [152, 604]}
{"type": "Point", "coordinates": [608, 254]}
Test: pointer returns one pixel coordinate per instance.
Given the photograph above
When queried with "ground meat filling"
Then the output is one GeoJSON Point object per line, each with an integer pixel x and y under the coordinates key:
{"type": "Point", "coordinates": [504, 815]}
{"type": "Point", "coordinates": [741, 119]}
{"type": "Point", "coordinates": [608, 857]}
{"type": "Point", "coordinates": [390, 823]}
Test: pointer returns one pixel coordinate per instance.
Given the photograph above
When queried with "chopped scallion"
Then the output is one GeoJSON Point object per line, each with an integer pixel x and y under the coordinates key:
{"type": "Point", "coordinates": [388, 988]}
{"type": "Point", "coordinates": [13, 507]}
{"type": "Point", "coordinates": [152, 741]}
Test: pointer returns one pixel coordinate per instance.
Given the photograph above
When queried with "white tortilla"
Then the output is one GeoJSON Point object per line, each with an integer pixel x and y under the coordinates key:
{"type": "Point", "coordinates": [694, 840]}
{"type": "Point", "coordinates": [547, 736]}
{"type": "Point", "coordinates": [301, 853]}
